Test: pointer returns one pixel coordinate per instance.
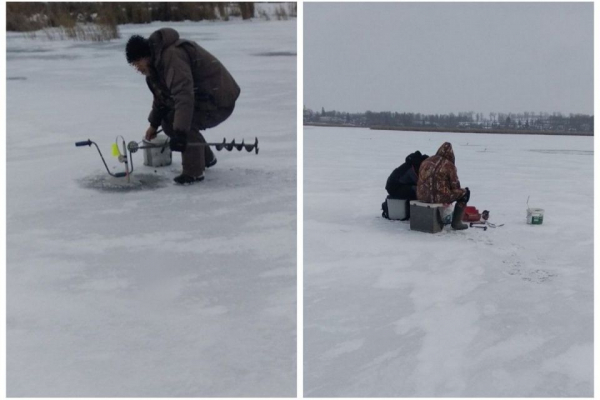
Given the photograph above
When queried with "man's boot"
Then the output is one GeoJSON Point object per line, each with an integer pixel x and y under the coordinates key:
{"type": "Point", "coordinates": [459, 211]}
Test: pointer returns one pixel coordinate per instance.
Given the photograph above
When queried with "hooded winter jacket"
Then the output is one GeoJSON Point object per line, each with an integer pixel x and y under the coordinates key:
{"type": "Point", "coordinates": [189, 82]}
{"type": "Point", "coordinates": [438, 180]}
{"type": "Point", "coordinates": [402, 182]}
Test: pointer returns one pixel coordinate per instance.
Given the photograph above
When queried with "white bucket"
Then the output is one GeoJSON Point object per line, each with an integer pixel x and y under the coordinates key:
{"type": "Point", "coordinates": [446, 213]}
{"type": "Point", "coordinates": [396, 208]}
{"type": "Point", "coordinates": [535, 216]}
{"type": "Point", "coordinates": [157, 157]}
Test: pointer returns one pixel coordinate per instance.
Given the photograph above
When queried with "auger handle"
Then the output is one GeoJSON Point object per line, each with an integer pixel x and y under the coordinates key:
{"type": "Point", "coordinates": [84, 143]}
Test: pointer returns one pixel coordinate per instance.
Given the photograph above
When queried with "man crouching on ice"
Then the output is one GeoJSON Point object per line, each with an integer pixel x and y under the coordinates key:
{"type": "Point", "coordinates": [192, 92]}
{"type": "Point", "coordinates": [438, 183]}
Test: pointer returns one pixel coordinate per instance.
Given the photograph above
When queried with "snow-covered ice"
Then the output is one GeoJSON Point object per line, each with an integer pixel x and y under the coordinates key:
{"type": "Point", "coordinates": [166, 290]}
{"type": "Point", "coordinates": [393, 312]}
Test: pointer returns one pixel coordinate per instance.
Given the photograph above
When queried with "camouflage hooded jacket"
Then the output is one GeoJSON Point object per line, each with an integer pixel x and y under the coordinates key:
{"type": "Point", "coordinates": [438, 181]}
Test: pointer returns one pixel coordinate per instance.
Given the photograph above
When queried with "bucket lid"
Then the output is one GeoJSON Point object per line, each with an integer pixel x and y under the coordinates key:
{"type": "Point", "coordinates": [535, 210]}
{"type": "Point", "coordinates": [160, 139]}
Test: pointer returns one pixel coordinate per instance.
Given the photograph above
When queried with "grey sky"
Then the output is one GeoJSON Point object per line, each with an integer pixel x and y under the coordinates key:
{"type": "Point", "coordinates": [449, 57]}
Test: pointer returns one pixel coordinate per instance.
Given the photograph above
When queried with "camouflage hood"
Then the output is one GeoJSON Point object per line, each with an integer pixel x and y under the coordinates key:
{"type": "Point", "coordinates": [445, 151]}
{"type": "Point", "coordinates": [438, 179]}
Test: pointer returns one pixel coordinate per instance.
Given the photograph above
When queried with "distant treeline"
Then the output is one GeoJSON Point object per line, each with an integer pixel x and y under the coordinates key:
{"type": "Point", "coordinates": [73, 19]}
{"type": "Point", "coordinates": [39, 15]}
{"type": "Point", "coordinates": [466, 121]}
{"type": "Point", "coordinates": [99, 21]}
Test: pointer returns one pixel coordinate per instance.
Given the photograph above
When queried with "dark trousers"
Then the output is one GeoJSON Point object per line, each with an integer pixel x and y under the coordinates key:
{"type": "Point", "coordinates": [407, 192]}
{"type": "Point", "coordinates": [195, 158]}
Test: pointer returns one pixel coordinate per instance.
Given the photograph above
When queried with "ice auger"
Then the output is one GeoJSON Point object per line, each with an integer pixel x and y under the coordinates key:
{"type": "Point", "coordinates": [134, 146]}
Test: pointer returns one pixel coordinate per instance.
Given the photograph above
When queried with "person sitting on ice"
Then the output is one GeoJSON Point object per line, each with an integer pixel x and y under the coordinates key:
{"type": "Point", "coordinates": [438, 183]}
{"type": "Point", "coordinates": [192, 91]}
{"type": "Point", "coordinates": [402, 182]}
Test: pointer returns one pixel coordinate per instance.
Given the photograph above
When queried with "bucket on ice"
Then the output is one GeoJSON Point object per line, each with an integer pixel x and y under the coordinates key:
{"type": "Point", "coordinates": [535, 216]}
{"type": "Point", "coordinates": [158, 156]}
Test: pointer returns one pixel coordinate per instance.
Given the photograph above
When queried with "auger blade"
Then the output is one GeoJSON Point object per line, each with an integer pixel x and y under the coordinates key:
{"type": "Point", "coordinates": [229, 146]}
{"type": "Point", "coordinates": [220, 146]}
{"type": "Point", "coordinates": [240, 146]}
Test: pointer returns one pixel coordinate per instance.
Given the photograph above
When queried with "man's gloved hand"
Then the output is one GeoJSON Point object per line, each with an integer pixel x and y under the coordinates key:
{"type": "Point", "coordinates": [467, 195]}
{"type": "Point", "coordinates": [151, 133]}
{"type": "Point", "coordinates": [178, 142]}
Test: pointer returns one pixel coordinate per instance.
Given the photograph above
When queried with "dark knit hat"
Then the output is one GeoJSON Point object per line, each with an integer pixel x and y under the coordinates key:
{"type": "Point", "coordinates": [137, 48]}
{"type": "Point", "coordinates": [414, 158]}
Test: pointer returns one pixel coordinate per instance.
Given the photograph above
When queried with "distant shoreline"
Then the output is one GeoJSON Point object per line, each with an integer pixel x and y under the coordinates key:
{"type": "Point", "coordinates": [457, 130]}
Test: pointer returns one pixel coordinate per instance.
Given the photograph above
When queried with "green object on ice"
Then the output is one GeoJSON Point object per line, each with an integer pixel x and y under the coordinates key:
{"type": "Point", "coordinates": [115, 150]}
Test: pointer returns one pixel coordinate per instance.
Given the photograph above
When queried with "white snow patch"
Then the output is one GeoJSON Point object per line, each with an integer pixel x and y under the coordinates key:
{"type": "Point", "coordinates": [503, 313]}
{"type": "Point", "coordinates": [165, 291]}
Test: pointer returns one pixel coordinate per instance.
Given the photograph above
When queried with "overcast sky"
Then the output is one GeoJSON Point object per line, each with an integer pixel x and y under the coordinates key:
{"type": "Point", "coordinates": [449, 57]}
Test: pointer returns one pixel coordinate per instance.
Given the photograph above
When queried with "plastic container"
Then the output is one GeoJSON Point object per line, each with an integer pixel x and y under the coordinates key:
{"type": "Point", "coordinates": [426, 217]}
{"type": "Point", "coordinates": [535, 216]}
{"type": "Point", "coordinates": [396, 208]}
{"type": "Point", "coordinates": [471, 214]}
{"type": "Point", "coordinates": [157, 157]}
{"type": "Point", "coordinates": [447, 212]}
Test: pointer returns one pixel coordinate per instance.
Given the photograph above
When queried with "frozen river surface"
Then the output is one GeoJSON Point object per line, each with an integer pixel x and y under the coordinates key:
{"type": "Point", "coordinates": [393, 312]}
{"type": "Point", "coordinates": [158, 290]}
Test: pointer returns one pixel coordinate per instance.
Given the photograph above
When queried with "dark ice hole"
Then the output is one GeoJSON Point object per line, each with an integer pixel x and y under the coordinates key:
{"type": "Point", "coordinates": [139, 182]}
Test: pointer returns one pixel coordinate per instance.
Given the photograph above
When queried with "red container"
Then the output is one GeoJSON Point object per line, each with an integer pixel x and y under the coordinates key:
{"type": "Point", "coordinates": [471, 214]}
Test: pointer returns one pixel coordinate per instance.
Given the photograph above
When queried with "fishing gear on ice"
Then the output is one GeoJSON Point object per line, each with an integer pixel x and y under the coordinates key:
{"type": "Point", "coordinates": [115, 152]}
{"type": "Point", "coordinates": [133, 146]}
